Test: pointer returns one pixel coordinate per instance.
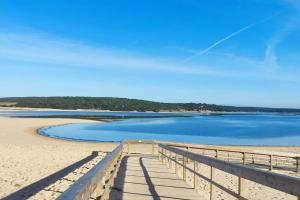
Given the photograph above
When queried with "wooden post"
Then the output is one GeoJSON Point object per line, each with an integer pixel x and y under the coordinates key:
{"type": "Point", "coordinates": [253, 158]}
{"type": "Point", "coordinates": [162, 156]}
{"type": "Point", "coordinates": [228, 156]}
{"type": "Point", "coordinates": [271, 162]}
{"type": "Point", "coordinates": [188, 149]}
{"type": "Point", "coordinates": [158, 150]}
{"type": "Point", "coordinates": [176, 165]}
{"type": "Point", "coordinates": [217, 153]}
{"type": "Point", "coordinates": [170, 160]}
{"type": "Point", "coordinates": [184, 168]}
{"type": "Point", "coordinates": [194, 174]}
{"type": "Point", "coordinates": [153, 149]}
{"type": "Point", "coordinates": [212, 192]}
{"type": "Point", "coordinates": [244, 158]}
{"type": "Point", "coordinates": [165, 156]}
{"type": "Point", "coordinates": [298, 165]}
{"type": "Point", "coordinates": [127, 147]}
{"type": "Point", "coordinates": [241, 188]}
{"type": "Point", "coordinates": [196, 178]}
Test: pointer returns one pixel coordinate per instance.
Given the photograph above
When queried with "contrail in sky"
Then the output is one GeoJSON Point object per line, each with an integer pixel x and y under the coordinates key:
{"type": "Point", "coordinates": [202, 52]}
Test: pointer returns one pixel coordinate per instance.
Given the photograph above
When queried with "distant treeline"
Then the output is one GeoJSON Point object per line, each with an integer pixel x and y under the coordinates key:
{"type": "Point", "coordinates": [124, 104]}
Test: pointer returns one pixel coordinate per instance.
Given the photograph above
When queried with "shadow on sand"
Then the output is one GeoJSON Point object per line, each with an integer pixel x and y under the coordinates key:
{"type": "Point", "coordinates": [34, 188]}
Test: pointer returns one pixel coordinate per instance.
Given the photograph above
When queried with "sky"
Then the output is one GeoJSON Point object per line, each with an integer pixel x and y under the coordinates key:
{"type": "Point", "coordinates": [230, 52]}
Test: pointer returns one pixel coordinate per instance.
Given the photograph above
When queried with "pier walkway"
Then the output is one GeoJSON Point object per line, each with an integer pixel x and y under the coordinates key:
{"type": "Point", "coordinates": [142, 170]}
{"type": "Point", "coordinates": [144, 177]}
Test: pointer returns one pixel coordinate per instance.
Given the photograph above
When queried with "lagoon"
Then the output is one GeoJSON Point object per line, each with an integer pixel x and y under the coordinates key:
{"type": "Point", "coordinates": [222, 129]}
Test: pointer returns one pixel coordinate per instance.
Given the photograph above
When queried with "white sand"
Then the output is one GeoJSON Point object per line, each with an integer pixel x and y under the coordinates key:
{"type": "Point", "coordinates": [26, 157]}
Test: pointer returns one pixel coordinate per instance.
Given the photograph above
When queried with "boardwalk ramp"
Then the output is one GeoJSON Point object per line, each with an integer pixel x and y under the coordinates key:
{"type": "Point", "coordinates": [155, 170]}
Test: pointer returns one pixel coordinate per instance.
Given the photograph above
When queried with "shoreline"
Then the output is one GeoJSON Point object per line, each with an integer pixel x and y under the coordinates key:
{"type": "Point", "coordinates": [278, 149]}
{"type": "Point", "coordinates": [204, 112]}
{"type": "Point", "coordinates": [229, 146]}
{"type": "Point", "coordinates": [41, 133]}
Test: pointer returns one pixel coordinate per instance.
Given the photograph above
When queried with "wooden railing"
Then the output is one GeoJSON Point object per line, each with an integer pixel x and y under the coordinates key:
{"type": "Point", "coordinates": [98, 181]}
{"type": "Point", "coordinates": [269, 160]}
{"type": "Point", "coordinates": [184, 158]}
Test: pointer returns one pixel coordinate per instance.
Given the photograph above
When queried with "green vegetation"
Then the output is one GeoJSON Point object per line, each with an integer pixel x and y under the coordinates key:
{"type": "Point", "coordinates": [124, 104]}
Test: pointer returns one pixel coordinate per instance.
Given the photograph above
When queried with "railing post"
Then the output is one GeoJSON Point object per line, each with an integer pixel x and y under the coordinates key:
{"type": "Point", "coordinates": [169, 160]}
{"type": "Point", "coordinates": [241, 188]}
{"type": "Point", "coordinates": [153, 149]}
{"type": "Point", "coordinates": [212, 192]}
{"type": "Point", "coordinates": [271, 162]}
{"type": "Point", "coordinates": [176, 165]}
{"type": "Point", "coordinates": [195, 168]}
{"type": "Point", "coordinates": [298, 165]}
{"type": "Point", "coordinates": [244, 158]}
{"type": "Point", "coordinates": [127, 147]}
{"type": "Point", "coordinates": [159, 153]}
{"type": "Point", "coordinates": [228, 158]}
{"type": "Point", "coordinates": [188, 149]}
{"type": "Point", "coordinates": [165, 157]}
{"type": "Point", "coordinates": [184, 168]}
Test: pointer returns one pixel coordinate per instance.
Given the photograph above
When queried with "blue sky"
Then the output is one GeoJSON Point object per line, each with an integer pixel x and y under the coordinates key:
{"type": "Point", "coordinates": [230, 52]}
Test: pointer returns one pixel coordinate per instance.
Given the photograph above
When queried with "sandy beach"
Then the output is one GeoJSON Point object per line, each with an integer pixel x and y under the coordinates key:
{"type": "Point", "coordinates": [26, 157]}
{"type": "Point", "coordinates": [37, 167]}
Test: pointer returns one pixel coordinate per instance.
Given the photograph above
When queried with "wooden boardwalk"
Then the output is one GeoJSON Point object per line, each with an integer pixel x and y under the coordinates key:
{"type": "Point", "coordinates": [133, 171]}
{"type": "Point", "coordinates": [144, 177]}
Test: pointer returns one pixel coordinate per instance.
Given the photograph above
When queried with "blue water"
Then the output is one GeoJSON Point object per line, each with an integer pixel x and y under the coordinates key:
{"type": "Point", "coordinates": [246, 129]}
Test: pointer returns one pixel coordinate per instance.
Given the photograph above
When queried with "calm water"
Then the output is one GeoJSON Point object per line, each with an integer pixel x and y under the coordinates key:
{"type": "Point", "coordinates": [244, 129]}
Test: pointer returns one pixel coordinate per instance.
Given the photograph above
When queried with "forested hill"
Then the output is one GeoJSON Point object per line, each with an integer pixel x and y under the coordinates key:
{"type": "Point", "coordinates": [124, 104]}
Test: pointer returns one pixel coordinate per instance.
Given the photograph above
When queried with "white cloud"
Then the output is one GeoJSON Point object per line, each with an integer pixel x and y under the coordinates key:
{"type": "Point", "coordinates": [37, 49]}
{"type": "Point", "coordinates": [32, 50]}
{"type": "Point", "coordinates": [289, 26]}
